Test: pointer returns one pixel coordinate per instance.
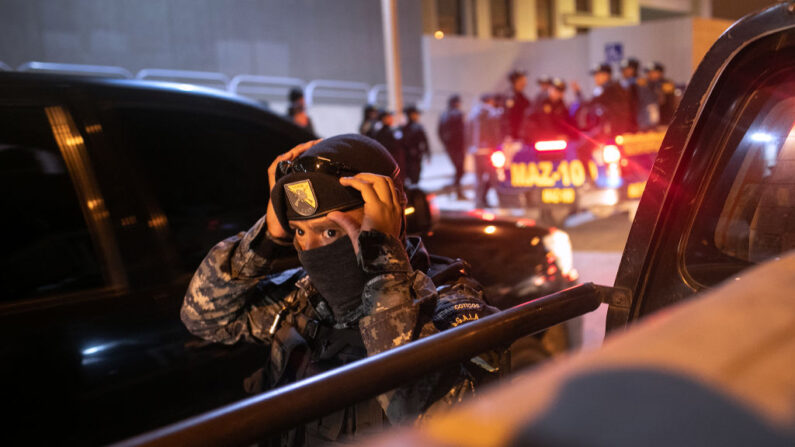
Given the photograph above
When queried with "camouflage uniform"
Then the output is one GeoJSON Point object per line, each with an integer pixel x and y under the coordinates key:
{"type": "Point", "coordinates": [242, 292]}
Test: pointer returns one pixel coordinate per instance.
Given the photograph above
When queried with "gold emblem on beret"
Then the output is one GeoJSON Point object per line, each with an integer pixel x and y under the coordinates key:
{"type": "Point", "coordinates": [301, 197]}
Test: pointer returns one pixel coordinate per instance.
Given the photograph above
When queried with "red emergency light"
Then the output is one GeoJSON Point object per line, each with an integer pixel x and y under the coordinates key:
{"type": "Point", "coordinates": [498, 159]}
{"type": "Point", "coordinates": [551, 145]}
{"type": "Point", "coordinates": [611, 153]}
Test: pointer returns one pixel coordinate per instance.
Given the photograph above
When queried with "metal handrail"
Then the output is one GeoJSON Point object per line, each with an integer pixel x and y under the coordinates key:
{"type": "Point", "coordinates": [92, 70]}
{"type": "Point", "coordinates": [252, 419]}
{"type": "Point", "coordinates": [4, 67]}
{"type": "Point", "coordinates": [332, 89]}
{"type": "Point", "coordinates": [257, 85]}
{"type": "Point", "coordinates": [187, 76]}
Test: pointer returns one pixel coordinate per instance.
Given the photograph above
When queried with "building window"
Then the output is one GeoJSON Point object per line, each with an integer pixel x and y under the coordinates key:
{"type": "Point", "coordinates": [450, 16]}
{"type": "Point", "coordinates": [617, 8]}
{"type": "Point", "coordinates": [584, 6]}
{"type": "Point", "coordinates": [545, 18]}
{"type": "Point", "coordinates": [501, 18]}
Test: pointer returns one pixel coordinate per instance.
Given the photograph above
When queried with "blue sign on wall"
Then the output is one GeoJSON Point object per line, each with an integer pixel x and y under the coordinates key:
{"type": "Point", "coordinates": [614, 52]}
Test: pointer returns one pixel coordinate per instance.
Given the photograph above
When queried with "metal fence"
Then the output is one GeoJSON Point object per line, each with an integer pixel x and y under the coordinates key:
{"type": "Point", "coordinates": [257, 86]}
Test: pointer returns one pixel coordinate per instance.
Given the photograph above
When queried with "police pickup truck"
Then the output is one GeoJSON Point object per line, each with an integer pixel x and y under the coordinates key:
{"type": "Point", "coordinates": [114, 191]}
{"type": "Point", "coordinates": [704, 290]}
{"type": "Point", "coordinates": [563, 176]}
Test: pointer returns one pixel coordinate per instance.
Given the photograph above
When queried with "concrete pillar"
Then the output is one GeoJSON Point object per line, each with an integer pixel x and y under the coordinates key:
{"type": "Point", "coordinates": [389, 23]}
{"type": "Point", "coordinates": [702, 8]}
{"type": "Point", "coordinates": [600, 8]}
{"type": "Point", "coordinates": [524, 19]}
{"type": "Point", "coordinates": [631, 10]}
{"type": "Point", "coordinates": [468, 18]}
{"type": "Point", "coordinates": [483, 16]}
{"type": "Point", "coordinates": [563, 7]}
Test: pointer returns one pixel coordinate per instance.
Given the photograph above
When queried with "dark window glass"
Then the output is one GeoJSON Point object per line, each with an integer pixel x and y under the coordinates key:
{"type": "Point", "coordinates": [616, 7]}
{"type": "Point", "coordinates": [48, 248]}
{"type": "Point", "coordinates": [545, 18]}
{"type": "Point", "coordinates": [583, 6]}
{"type": "Point", "coordinates": [747, 214]}
{"type": "Point", "coordinates": [449, 15]}
{"type": "Point", "coordinates": [208, 173]}
{"type": "Point", "coordinates": [501, 18]}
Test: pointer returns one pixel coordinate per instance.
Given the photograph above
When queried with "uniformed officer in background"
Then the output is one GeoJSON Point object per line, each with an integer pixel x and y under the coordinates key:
{"type": "Point", "coordinates": [608, 112]}
{"type": "Point", "coordinates": [452, 132]}
{"type": "Point", "coordinates": [415, 143]}
{"type": "Point", "coordinates": [550, 119]}
{"type": "Point", "coordinates": [391, 139]}
{"type": "Point", "coordinates": [664, 90]}
{"type": "Point", "coordinates": [484, 132]}
{"type": "Point", "coordinates": [544, 84]}
{"type": "Point", "coordinates": [362, 287]}
{"type": "Point", "coordinates": [517, 106]}
{"type": "Point", "coordinates": [629, 82]}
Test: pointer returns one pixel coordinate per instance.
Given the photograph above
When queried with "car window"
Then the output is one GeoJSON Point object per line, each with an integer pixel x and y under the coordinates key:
{"type": "Point", "coordinates": [48, 248]}
{"type": "Point", "coordinates": [207, 172]}
{"type": "Point", "coordinates": [747, 215]}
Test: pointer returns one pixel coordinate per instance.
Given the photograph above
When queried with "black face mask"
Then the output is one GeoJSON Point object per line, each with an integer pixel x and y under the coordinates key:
{"type": "Point", "coordinates": [335, 273]}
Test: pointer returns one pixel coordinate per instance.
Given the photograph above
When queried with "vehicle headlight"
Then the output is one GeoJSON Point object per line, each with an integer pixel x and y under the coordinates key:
{"type": "Point", "coordinates": [558, 243]}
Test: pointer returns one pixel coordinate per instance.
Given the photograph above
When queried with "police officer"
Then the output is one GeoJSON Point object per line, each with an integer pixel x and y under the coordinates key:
{"type": "Point", "coordinates": [608, 109]}
{"type": "Point", "coordinates": [550, 119]}
{"type": "Point", "coordinates": [629, 82]}
{"type": "Point", "coordinates": [544, 84]}
{"type": "Point", "coordinates": [391, 139]}
{"type": "Point", "coordinates": [369, 118]}
{"type": "Point", "coordinates": [517, 106]}
{"type": "Point", "coordinates": [362, 287]}
{"type": "Point", "coordinates": [664, 91]}
{"type": "Point", "coordinates": [296, 106]}
{"type": "Point", "coordinates": [452, 133]}
{"type": "Point", "coordinates": [415, 143]}
{"type": "Point", "coordinates": [484, 129]}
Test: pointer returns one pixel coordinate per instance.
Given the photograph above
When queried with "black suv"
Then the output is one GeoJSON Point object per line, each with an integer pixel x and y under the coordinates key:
{"type": "Point", "coordinates": [114, 192]}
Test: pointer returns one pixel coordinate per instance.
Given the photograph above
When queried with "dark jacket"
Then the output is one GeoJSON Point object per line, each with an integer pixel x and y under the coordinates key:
{"type": "Point", "coordinates": [516, 110]}
{"type": "Point", "coordinates": [549, 121]}
{"type": "Point", "coordinates": [386, 136]}
{"type": "Point", "coordinates": [241, 293]}
{"type": "Point", "coordinates": [452, 131]}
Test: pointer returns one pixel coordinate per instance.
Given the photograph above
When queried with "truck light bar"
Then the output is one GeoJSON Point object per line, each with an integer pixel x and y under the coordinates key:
{"type": "Point", "coordinates": [551, 145]}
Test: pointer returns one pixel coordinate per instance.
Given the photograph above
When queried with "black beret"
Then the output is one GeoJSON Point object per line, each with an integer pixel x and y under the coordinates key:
{"type": "Point", "coordinates": [655, 66]}
{"type": "Point", "coordinates": [309, 195]}
{"type": "Point", "coordinates": [630, 63]}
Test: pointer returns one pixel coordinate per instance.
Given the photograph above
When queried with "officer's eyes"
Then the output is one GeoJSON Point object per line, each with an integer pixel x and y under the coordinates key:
{"type": "Point", "coordinates": [331, 233]}
{"type": "Point", "coordinates": [299, 232]}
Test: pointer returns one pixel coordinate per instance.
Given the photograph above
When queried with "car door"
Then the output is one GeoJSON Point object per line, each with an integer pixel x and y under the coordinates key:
{"type": "Point", "coordinates": [721, 195]}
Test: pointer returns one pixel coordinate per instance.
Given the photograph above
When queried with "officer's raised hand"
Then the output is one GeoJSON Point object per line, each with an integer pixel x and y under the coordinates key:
{"type": "Point", "coordinates": [382, 209]}
{"type": "Point", "coordinates": [272, 222]}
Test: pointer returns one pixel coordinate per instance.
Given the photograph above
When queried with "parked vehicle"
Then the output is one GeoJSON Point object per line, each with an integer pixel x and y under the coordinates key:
{"type": "Point", "coordinates": [114, 192]}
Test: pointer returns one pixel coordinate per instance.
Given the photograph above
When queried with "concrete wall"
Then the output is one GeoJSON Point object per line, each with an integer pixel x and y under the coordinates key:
{"type": "Point", "coordinates": [308, 39]}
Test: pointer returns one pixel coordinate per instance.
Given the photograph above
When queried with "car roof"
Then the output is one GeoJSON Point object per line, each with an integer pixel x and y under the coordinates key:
{"type": "Point", "coordinates": [134, 89]}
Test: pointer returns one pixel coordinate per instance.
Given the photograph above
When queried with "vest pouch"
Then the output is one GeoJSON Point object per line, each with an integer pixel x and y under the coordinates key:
{"type": "Point", "coordinates": [289, 356]}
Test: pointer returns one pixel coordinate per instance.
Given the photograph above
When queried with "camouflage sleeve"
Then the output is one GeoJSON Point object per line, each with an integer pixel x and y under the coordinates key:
{"type": "Point", "coordinates": [220, 304]}
{"type": "Point", "coordinates": [398, 300]}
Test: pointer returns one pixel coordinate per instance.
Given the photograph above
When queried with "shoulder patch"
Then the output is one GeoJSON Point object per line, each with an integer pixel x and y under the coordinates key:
{"type": "Point", "coordinates": [301, 197]}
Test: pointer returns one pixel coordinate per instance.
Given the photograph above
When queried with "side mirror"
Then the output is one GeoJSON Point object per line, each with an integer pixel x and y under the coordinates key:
{"type": "Point", "coordinates": [420, 214]}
